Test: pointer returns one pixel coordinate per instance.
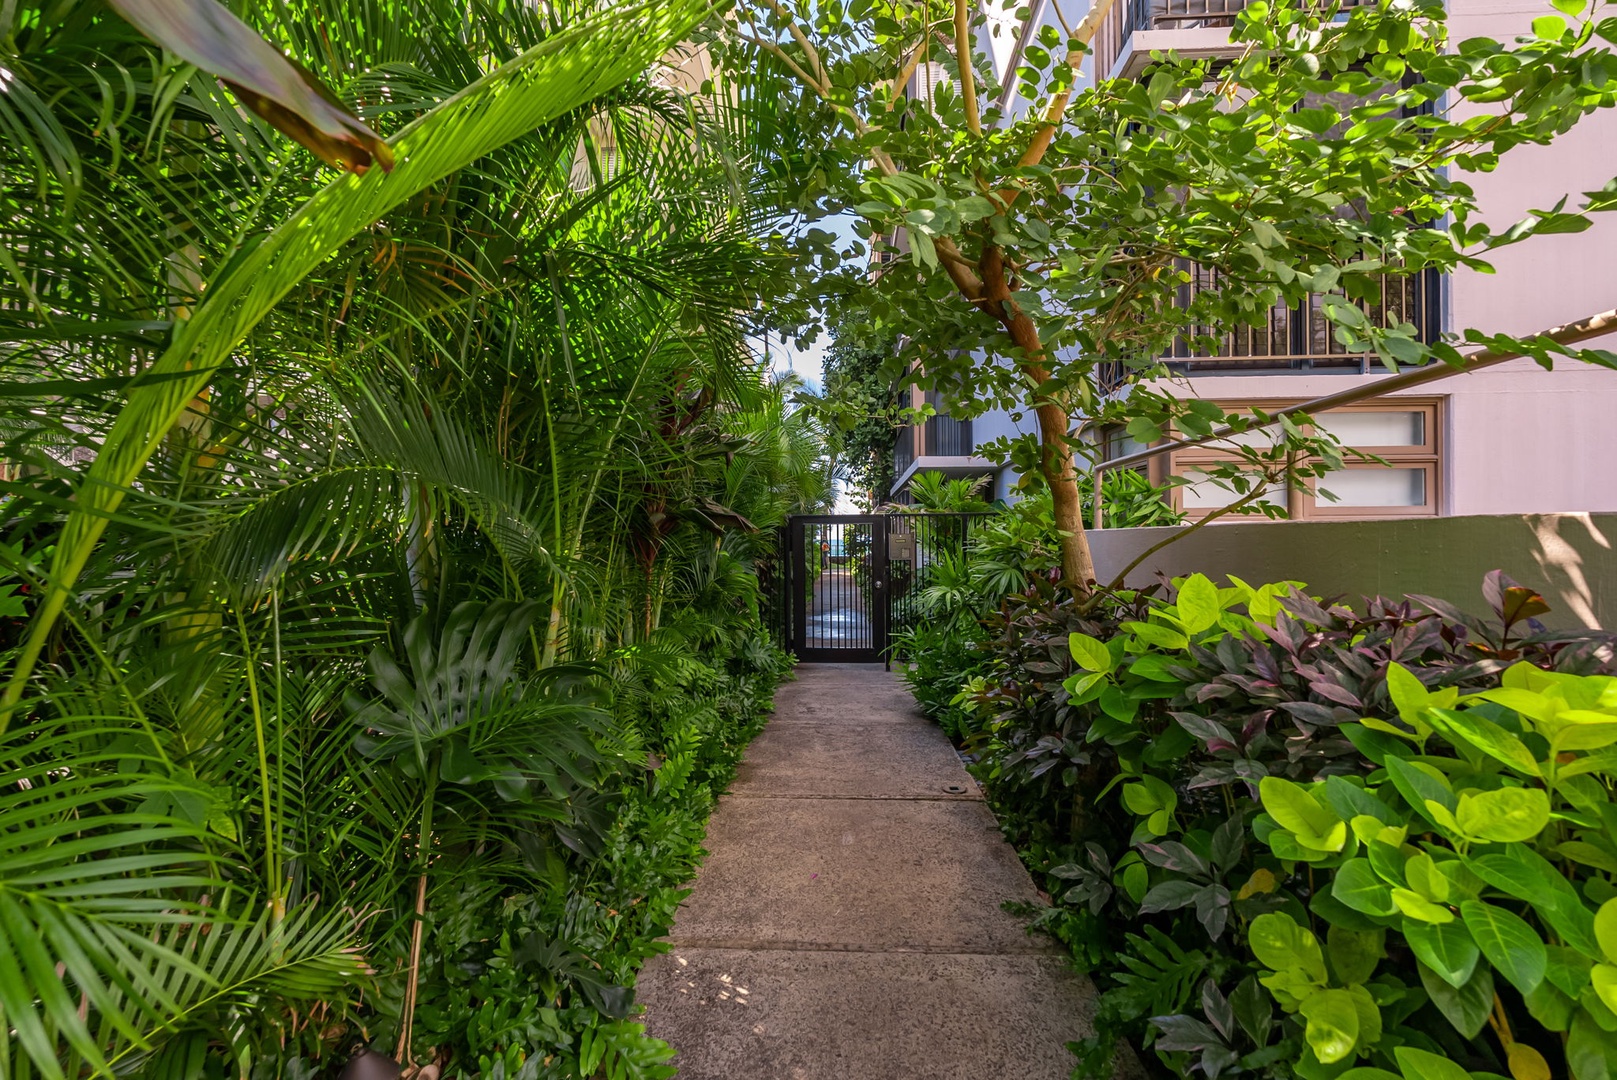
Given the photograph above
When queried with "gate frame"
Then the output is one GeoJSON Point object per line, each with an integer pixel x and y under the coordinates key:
{"type": "Point", "coordinates": [796, 599]}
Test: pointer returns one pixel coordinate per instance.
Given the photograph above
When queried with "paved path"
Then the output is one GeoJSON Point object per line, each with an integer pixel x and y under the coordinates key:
{"type": "Point", "coordinates": [846, 924]}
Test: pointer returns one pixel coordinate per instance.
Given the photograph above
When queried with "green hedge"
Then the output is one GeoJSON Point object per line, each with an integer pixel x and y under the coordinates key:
{"type": "Point", "coordinates": [1294, 839]}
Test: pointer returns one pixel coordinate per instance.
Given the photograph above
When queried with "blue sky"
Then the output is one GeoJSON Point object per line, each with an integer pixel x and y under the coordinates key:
{"type": "Point", "coordinates": [808, 363]}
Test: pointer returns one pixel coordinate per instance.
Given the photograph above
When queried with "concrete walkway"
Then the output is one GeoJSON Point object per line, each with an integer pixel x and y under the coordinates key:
{"type": "Point", "coordinates": [846, 924]}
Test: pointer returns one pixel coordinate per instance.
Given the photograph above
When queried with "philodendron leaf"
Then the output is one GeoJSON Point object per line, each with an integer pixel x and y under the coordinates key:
{"type": "Point", "coordinates": [1489, 737]}
{"type": "Point", "coordinates": [1354, 954]}
{"type": "Point", "coordinates": [1333, 1024]}
{"type": "Point", "coordinates": [1198, 604]}
{"type": "Point", "coordinates": [1421, 784]}
{"type": "Point", "coordinates": [1416, 906]}
{"type": "Point", "coordinates": [1606, 929]}
{"type": "Point", "coordinates": [1510, 944]}
{"type": "Point", "coordinates": [1409, 695]}
{"type": "Point", "coordinates": [1526, 1063]}
{"type": "Point", "coordinates": [1358, 886]}
{"type": "Point", "coordinates": [207, 34]}
{"type": "Point", "coordinates": [1163, 637]}
{"type": "Point", "coordinates": [1506, 816]}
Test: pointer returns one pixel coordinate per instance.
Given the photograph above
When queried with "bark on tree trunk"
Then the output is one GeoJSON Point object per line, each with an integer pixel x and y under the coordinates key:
{"type": "Point", "coordinates": [1055, 450]}
{"type": "Point", "coordinates": [1055, 461]}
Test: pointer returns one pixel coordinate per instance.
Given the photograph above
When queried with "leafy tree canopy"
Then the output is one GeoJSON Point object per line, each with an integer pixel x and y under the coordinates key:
{"type": "Point", "coordinates": [1030, 251]}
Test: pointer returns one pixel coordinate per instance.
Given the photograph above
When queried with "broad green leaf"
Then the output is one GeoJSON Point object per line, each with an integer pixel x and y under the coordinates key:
{"type": "Point", "coordinates": [1568, 969]}
{"type": "Point", "coordinates": [1417, 1064]}
{"type": "Point", "coordinates": [1416, 906]}
{"type": "Point", "coordinates": [1509, 815]}
{"type": "Point", "coordinates": [1333, 1024]}
{"type": "Point", "coordinates": [1586, 736]}
{"type": "Point", "coordinates": [1423, 877]}
{"type": "Point", "coordinates": [1090, 653]}
{"type": "Point", "coordinates": [1446, 948]}
{"type": "Point", "coordinates": [1591, 1053]}
{"type": "Point", "coordinates": [1315, 825]}
{"type": "Point", "coordinates": [1408, 694]}
{"type": "Point", "coordinates": [1606, 929]}
{"type": "Point", "coordinates": [1351, 801]}
{"type": "Point", "coordinates": [1526, 1063]}
{"type": "Point", "coordinates": [1162, 637]}
{"type": "Point", "coordinates": [1198, 604]}
{"type": "Point", "coordinates": [1354, 954]}
{"type": "Point", "coordinates": [1149, 795]}
{"type": "Point", "coordinates": [1549, 27]}
{"type": "Point", "coordinates": [558, 75]}
{"type": "Point", "coordinates": [1529, 703]}
{"type": "Point", "coordinates": [1510, 944]}
{"type": "Point", "coordinates": [1466, 1007]}
{"type": "Point", "coordinates": [1357, 886]}
{"type": "Point", "coordinates": [1488, 737]}
{"type": "Point", "coordinates": [1604, 979]}
{"type": "Point", "coordinates": [1369, 1017]}
{"type": "Point", "coordinates": [1079, 685]}
{"type": "Point", "coordinates": [1523, 873]}
{"type": "Point", "coordinates": [1280, 944]}
{"type": "Point", "coordinates": [1419, 784]}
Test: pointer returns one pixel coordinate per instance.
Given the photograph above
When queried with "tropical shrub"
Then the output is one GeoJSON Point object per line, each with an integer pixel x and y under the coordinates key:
{"type": "Point", "coordinates": [973, 566]}
{"type": "Point", "coordinates": [378, 598]}
{"type": "Point", "coordinates": [1247, 804]}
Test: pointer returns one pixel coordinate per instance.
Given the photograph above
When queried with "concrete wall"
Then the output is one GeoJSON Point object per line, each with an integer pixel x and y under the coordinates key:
{"type": "Point", "coordinates": [1570, 558]}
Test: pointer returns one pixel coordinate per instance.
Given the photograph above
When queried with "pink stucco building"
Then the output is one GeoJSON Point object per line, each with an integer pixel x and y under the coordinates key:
{"type": "Point", "coordinates": [1509, 440]}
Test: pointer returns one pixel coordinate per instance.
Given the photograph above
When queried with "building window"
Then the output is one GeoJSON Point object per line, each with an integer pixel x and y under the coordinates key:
{"type": "Point", "coordinates": [1404, 432]}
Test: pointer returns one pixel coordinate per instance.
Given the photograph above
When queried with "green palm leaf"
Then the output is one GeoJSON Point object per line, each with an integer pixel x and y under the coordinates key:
{"type": "Point", "coordinates": [560, 74]}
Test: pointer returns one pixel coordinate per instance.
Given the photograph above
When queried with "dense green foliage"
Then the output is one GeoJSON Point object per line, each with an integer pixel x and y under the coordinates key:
{"type": "Point", "coordinates": [1049, 224]}
{"type": "Point", "coordinates": [864, 417]}
{"type": "Point", "coordinates": [968, 572]}
{"type": "Point", "coordinates": [378, 550]}
{"type": "Point", "coordinates": [1292, 839]}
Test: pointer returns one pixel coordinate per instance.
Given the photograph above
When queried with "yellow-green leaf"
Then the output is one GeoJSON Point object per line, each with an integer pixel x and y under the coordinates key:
{"type": "Point", "coordinates": [1417, 906]}
{"type": "Point", "coordinates": [1509, 815]}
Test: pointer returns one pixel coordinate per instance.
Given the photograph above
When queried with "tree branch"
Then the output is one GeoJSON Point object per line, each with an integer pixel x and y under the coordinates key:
{"type": "Point", "coordinates": [803, 42]}
{"type": "Point", "coordinates": [1039, 145]}
{"type": "Point", "coordinates": [779, 53]}
{"type": "Point", "coordinates": [959, 269]}
{"type": "Point", "coordinates": [968, 77]}
{"type": "Point", "coordinates": [906, 71]}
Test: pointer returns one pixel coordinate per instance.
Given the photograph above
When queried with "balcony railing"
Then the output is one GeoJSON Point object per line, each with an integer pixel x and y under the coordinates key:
{"type": "Point", "coordinates": [1131, 15]}
{"type": "Point", "coordinates": [1297, 337]}
{"type": "Point", "coordinates": [1300, 337]}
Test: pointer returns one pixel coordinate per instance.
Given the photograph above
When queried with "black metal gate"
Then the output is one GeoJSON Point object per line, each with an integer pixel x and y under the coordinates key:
{"type": "Point", "coordinates": [851, 581]}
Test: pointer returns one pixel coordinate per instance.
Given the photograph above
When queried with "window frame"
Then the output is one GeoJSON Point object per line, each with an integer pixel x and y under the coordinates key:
{"type": "Point", "coordinates": [1304, 504]}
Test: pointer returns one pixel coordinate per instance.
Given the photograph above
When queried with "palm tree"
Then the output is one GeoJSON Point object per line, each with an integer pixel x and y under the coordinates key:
{"type": "Point", "coordinates": [264, 432]}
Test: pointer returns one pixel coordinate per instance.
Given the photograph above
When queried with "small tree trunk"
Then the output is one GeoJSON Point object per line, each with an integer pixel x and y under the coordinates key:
{"type": "Point", "coordinates": [1055, 462]}
{"type": "Point", "coordinates": [1055, 449]}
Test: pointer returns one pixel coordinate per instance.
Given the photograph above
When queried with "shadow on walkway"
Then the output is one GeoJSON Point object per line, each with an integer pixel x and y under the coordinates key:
{"type": "Point", "coordinates": [846, 924]}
